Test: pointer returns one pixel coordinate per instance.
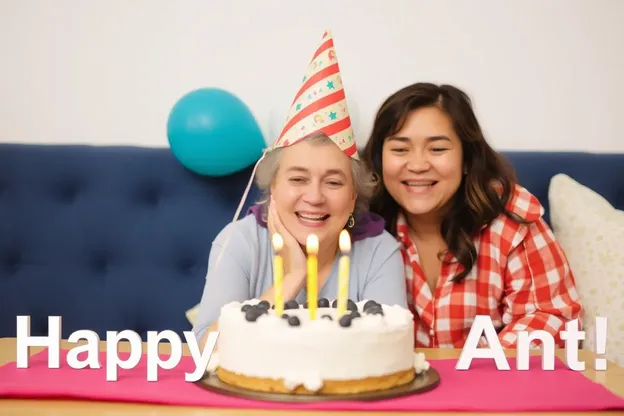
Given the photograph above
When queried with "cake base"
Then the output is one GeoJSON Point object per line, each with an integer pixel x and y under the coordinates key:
{"type": "Point", "coordinates": [329, 387]}
{"type": "Point", "coordinates": [419, 383]}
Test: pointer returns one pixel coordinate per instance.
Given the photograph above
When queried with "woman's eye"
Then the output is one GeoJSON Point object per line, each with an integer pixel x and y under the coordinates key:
{"type": "Point", "coordinates": [439, 149]}
{"type": "Point", "coordinates": [335, 183]}
{"type": "Point", "coordinates": [398, 150]}
{"type": "Point", "coordinates": [297, 180]}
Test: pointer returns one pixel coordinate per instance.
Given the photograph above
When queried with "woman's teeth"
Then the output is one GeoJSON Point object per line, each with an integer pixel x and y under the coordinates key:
{"type": "Point", "coordinates": [419, 183]}
{"type": "Point", "coordinates": [312, 217]}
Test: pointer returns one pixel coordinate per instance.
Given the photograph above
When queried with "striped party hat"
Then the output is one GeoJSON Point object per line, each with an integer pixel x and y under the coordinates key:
{"type": "Point", "coordinates": [320, 104]}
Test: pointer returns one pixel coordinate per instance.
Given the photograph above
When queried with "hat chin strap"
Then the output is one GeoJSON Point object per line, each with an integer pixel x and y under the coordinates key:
{"type": "Point", "coordinates": [240, 206]}
{"type": "Point", "coordinates": [244, 198]}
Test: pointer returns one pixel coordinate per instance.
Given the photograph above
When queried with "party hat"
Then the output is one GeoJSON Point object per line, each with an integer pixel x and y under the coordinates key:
{"type": "Point", "coordinates": [320, 104]}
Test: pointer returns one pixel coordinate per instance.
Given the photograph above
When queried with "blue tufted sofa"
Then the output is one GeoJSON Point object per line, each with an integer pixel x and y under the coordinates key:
{"type": "Point", "coordinates": [114, 238]}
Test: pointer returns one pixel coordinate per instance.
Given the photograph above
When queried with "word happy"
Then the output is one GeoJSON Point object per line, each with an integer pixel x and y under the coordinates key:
{"type": "Point", "coordinates": [113, 361]}
{"type": "Point", "coordinates": [483, 326]}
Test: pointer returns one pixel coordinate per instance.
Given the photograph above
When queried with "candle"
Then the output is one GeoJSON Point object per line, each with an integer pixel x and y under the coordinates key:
{"type": "Point", "coordinates": [312, 247]}
{"type": "Point", "coordinates": [278, 274]}
{"type": "Point", "coordinates": [343, 272]}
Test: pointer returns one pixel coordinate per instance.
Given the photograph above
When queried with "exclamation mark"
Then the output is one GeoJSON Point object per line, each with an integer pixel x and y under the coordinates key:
{"type": "Point", "coordinates": [601, 343]}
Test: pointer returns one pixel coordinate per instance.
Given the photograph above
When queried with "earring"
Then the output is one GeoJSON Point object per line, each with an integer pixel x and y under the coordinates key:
{"type": "Point", "coordinates": [351, 222]}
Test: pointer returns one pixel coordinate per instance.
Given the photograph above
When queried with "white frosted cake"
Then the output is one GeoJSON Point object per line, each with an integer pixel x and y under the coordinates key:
{"type": "Point", "coordinates": [370, 348]}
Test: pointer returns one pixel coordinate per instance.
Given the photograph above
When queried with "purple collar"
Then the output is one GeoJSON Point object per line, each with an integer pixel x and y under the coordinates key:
{"type": "Point", "coordinates": [367, 224]}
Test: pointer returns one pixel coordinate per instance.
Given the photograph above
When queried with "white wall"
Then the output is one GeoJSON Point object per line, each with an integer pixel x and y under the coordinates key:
{"type": "Point", "coordinates": [544, 74]}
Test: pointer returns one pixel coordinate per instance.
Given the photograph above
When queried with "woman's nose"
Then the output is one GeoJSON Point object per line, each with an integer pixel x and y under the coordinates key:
{"type": "Point", "coordinates": [418, 163]}
{"type": "Point", "coordinates": [314, 194]}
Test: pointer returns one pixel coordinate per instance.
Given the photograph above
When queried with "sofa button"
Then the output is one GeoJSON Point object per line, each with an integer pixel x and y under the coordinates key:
{"type": "Point", "coordinates": [141, 331]}
{"type": "Point", "coordinates": [99, 263]}
{"type": "Point", "coordinates": [43, 326]}
{"type": "Point", "coordinates": [67, 192]}
{"type": "Point", "coordinates": [149, 195]}
{"type": "Point", "coordinates": [186, 266]}
{"type": "Point", "coordinates": [12, 262]}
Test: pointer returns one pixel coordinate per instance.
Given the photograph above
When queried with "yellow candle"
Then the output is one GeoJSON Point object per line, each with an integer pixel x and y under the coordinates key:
{"type": "Point", "coordinates": [343, 272]}
{"type": "Point", "coordinates": [278, 274]}
{"type": "Point", "coordinates": [312, 247]}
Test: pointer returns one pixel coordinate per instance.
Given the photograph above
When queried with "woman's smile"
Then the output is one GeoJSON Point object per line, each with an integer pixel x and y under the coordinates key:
{"type": "Point", "coordinates": [419, 186]}
{"type": "Point", "coordinates": [312, 219]}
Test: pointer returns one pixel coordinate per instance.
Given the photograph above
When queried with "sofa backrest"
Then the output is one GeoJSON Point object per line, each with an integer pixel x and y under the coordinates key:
{"type": "Point", "coordinates": [109, 238]}
{"type": "Point", "coordinates": [599, 171]}
{"type": "Point", "coordinates": [114, 238]}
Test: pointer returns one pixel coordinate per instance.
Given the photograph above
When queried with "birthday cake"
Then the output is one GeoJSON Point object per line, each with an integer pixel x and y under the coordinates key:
{"type": "Point", "coordinates": [369, 348]}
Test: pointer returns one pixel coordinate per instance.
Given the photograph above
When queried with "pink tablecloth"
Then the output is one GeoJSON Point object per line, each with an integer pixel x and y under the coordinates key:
{"type": "Point", "coordinates": [482, 388]}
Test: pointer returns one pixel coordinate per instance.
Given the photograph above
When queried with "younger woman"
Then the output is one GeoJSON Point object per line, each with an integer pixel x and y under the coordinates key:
{"type": "Point", "coordinates": [473, 241]}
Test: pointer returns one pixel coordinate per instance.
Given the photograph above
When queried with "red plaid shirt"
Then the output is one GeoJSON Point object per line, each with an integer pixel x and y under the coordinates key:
{"type": "Point", "coordinates": [521, 279]}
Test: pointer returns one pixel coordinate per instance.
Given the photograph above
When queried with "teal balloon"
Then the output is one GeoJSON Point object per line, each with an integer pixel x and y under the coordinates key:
{"type": "Point", "coordinates": [212, 132]}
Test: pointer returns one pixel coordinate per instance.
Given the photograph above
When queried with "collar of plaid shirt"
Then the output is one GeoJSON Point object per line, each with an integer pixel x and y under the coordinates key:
{"type": "Point", "coordinates": [521, 280]}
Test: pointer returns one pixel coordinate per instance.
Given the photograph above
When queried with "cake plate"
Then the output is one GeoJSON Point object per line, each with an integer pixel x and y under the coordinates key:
{"type": "Point", "coordinates": [423, 382]}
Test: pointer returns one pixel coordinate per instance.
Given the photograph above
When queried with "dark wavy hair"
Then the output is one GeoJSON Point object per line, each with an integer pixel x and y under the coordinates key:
{"type": "Point", "coordinates": [477, 202]}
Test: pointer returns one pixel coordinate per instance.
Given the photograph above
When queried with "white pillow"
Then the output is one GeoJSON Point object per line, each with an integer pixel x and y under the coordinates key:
{"type": "Point", "coordinates": [591, 232]}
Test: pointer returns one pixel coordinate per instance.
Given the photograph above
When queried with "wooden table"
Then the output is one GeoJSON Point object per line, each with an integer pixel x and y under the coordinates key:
{"type": "Point", "coordinates": [613, 379]}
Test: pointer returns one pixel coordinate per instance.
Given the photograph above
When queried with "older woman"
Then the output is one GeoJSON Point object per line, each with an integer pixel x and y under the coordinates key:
{"type": "Point", "coordinates": [473, 241]}
{"type": "Point", "coordinates": [310, 187]}
{"type": "Point", "coordinates": [314, 182]}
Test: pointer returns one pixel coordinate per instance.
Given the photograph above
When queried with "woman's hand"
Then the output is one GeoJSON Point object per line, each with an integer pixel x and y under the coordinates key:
{"type": "Point", "coordinates": [292, 253]}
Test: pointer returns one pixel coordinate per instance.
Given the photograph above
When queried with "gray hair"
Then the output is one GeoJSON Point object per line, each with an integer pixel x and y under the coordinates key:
{"type": "Point", "coordinates": [363, 179]}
